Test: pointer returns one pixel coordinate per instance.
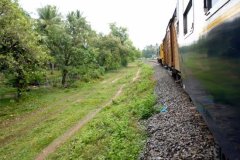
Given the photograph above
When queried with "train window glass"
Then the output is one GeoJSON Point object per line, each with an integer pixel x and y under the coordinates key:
{"type": "Point", "coordinates": [177, 26]}
{"type": "Point", "coordinates": [176, 23]}
{"type": "Point", "coordinates": [188, 18]}
{"type": "Point", "coordinates": [208, 4]}
{"type": "Point", "coordinates": [212, 6]}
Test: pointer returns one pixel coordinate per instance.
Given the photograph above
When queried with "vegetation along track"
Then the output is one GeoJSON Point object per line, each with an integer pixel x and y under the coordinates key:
{"type": "Point", "coordinates": [48, 126]}
{"type": "Point", "coordinates": [52, 147]}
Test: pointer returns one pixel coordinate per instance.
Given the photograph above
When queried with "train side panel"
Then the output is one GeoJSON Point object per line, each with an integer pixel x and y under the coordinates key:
{"type": "Point", "coordinates": [162, 54]}
{"type": "Point", "coordinates": [174, 46]}
{"type": "Point", "coordinates": [165, 51]}
{"type": "Point", "coordinates": [169, 49]}
{"type": "Point", "coordinates": [210, 66]}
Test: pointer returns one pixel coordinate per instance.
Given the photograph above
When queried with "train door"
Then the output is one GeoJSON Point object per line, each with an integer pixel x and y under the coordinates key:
{"type": "Point", "coordinates": [174, 46]}
{"type": "Point", "coordinates": [165, 51]}
{"type": "Point", "coordinates": [169, 49]}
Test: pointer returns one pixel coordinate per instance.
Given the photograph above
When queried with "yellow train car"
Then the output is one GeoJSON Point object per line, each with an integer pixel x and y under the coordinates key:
{"type": "Point", "coordinates": [161, 55]}
{"type": "Point", "coordinates": [165, 51]}
{"type": "Point", "coordinates": [170, 49]}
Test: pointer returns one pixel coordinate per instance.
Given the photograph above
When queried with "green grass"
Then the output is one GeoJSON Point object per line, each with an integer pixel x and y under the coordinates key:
{"type": "Point", "coordinates": [44, 114]}
{"type": "Point", "coordinates": [115, 133]}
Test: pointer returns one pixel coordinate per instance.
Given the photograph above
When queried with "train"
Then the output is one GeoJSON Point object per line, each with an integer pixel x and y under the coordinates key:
{"type": "Point", "coordinates": [201, 48]}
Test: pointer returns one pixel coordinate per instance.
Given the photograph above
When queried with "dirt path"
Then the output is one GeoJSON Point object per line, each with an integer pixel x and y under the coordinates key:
{"type": "Point", "coordinates": [63, 138]}
{"type": "Point", "coordinates": [115, 80]}
{"type": "Point", "coordinates": [137, 76]}
{"type": "Point", "coordinates": [37, 119]}
{"type": "Point", "coordinates": [42, 114]}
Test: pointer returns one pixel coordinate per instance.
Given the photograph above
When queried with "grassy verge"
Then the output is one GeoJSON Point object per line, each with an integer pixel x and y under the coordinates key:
{"type": "Point", "coordinates": [30, 125]}
{"type": "Point", "coordinates": [115, 132]}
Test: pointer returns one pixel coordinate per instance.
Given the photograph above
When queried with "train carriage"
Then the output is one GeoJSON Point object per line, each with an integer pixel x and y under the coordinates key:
{"type": "Point", "coordinates": [202, 45]}
{"type": "Point", "coordinates": [161, 55]}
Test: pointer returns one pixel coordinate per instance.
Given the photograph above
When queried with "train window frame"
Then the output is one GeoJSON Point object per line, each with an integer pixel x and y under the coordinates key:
{"type": "Point", "coordinates": [210, 9]}
{"type": "Point", "coordinates": [188, 31]}
{"type": "Point", "coordinates": [176, 21]}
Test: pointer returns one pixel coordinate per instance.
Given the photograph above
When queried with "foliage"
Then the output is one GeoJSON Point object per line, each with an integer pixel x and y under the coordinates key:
{"type": "Point", "coordinates": [48, 16]}
{"type": "Point", "coordinates": [150, 51]}
{"type": "Point", "coordinates": [109, 56]}
{"type": "Point", "coordinates": [82, 50]}
{"type": "Point", "coordinates": [115, 49]}
{"type": "Point", "coordinates": [115, 133]}
{"type": "Point", "coordinates": [119, 32]}
{"type": "Point", "coordinates": [42, 115]}
{"type": "Point", "coordinates": [48, 22]}
{"type": "Point", "coordinates": [20, 53]}
{"type": "Point", "coordinates": [73, 47]}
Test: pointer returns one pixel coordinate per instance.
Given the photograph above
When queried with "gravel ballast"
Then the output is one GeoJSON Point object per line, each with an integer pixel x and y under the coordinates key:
{"type": "Point", "coordinates": [179, 133]}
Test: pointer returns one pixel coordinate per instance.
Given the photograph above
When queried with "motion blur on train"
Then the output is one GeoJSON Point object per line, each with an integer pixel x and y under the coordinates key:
{"type": "Point", "coordinates": [201, 48]}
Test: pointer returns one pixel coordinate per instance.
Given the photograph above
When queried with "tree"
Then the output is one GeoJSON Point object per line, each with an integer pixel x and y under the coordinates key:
{"type": "Point", "coordinates": [70, 42]}
{"type": "Point", "coordinates": [21, 56]}
{"type": "Point", "coordinates": [49, 20]}
{"type": "Point", "coordinates": [48, 16]}
{"type": "Point", "coordinates": [150, 51]}
{"type": "Point", "coordinates": [74, 55]}
{"type": "Point", "coordinates": [109, 52]}
{"type": "Point", "coordinates": [119, 32]}
{"type": "Point", "coordinates": [80, 55]}
{"type": "Point", "coordinates": [126, 49]}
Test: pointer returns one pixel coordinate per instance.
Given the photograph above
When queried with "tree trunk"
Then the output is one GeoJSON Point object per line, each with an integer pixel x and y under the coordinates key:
{"type": "Point", "coordinates": [64, 76]}
{"type": "Point", "coordinates": [52, 67]}
{"type": "Point", "coordinates": [19, 93]}
{"type": "Point", "coordinates": [20, 83]}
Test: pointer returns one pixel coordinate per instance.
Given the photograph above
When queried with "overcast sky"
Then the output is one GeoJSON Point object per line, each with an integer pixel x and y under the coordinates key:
{"type": "Point", "coordinates": [146, 20]}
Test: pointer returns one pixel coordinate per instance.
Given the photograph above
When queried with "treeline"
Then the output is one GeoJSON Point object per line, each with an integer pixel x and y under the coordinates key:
{"type": "Point", "coordinates": [31, 48]}
{"type": "Point", "coordinates": [150, 51]}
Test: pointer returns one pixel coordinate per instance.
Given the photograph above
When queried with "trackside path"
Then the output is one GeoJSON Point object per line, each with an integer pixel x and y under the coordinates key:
{"type": "Point", "coordinates": [49, 116]}
{"type": "Point", "coordinates": [60, 140]}
{"type": "Point", "coordinates": [57, 142]}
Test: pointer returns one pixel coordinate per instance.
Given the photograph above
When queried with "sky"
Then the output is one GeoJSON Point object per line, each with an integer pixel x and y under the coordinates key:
{"type": "Point", "coordinates": [146, 20]}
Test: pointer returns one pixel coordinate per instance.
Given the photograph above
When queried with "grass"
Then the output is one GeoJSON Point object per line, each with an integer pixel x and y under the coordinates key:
{"type": "Point", "coordinates": [115, 132]}
{"type": "Point", "coordinates": [44, 114]}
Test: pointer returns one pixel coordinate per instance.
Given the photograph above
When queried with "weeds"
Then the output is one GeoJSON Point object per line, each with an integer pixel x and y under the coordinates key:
{"type": "Point", "coordinates": [115, 132]}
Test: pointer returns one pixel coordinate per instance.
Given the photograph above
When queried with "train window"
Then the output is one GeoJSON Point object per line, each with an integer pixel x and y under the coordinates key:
{"type": "Point", "coordinates": [212, 6]}
{"type": "Point", "coordinates": [209, 3]}
{"type": "Point", "coordinates": [177, 26]}
{"type": "Point", "coordinates": [176, 23]}
{"type": "Point", "coordinates": [188, 18]}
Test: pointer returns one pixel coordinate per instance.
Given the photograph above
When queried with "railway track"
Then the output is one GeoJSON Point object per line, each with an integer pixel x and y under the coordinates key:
{"type": "Point", "coordinates": [180, 132]}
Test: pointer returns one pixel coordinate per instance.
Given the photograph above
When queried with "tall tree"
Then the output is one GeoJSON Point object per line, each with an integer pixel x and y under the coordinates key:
{"type": "Point", "coordinates": [49, 20]}
{"type": "Point", "coordinates": [119, 32]}
{"type": "Point", "coordinates": [61, 44]}
{"type": "Point", "coordinates": [109, 52]}
{"type": "Point", "coordinates": [48, 16]}
{"type": "Point", "coordinates": [20, 53]}
{"type": "Point", "coordinates": [77, 55]}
